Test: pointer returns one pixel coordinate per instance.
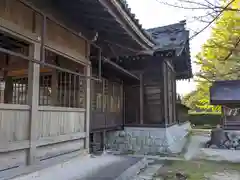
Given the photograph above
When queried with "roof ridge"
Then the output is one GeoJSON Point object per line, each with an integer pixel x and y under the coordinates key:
{"type": "Point", "coordinates": [183, 22]}
{"type": "Point", "coordinates": [134, 19]}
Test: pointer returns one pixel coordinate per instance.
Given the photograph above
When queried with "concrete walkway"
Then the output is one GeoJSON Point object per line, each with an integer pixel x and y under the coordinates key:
{"type": "Point", "coordinates": [194, 146]}
{"type": "Point", "coordinates": [114, 170]}
{"type": "Point", "coordinates": [100, 167]}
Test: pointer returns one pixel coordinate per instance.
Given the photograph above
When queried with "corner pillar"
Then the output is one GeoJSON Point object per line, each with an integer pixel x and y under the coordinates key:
{"type": "Point", "coordinates": [141, 99]}
{"type": "Point", "coordinates": [88, 105]}
{"type": "Point", "coordinates": [33, 98]}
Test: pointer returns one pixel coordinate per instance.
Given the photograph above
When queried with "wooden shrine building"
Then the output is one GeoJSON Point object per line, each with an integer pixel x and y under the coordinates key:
{"type": "Point", "coordinates": [226, 94]}
{"type": "Point", "coordinates": [57, 77]}
{"type": "Point", "coordinates": [151, 123]}
{"type": "Point", "coordinates": [158, 70]}
{"type": "Point", "coordinates": [73, 72]}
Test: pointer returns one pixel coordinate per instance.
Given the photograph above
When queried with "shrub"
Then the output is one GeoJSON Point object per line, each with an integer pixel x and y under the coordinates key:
{"type": "Point", "coordinates": [206, 119]}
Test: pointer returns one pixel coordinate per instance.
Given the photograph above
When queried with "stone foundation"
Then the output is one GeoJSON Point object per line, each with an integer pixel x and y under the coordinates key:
{"type": "Point", "coordinates": [143, 140]}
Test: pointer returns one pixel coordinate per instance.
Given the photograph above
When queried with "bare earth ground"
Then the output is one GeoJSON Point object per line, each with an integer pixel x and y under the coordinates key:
{"type": "Point", "coordinates": [193, 168]}
{"type": "Point", "coordinates": [199, 170]}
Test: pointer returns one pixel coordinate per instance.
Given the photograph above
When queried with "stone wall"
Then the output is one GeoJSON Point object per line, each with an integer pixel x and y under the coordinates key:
{"type": "Point", "coordinates": [176, 137]}
{"type": "Point", "coordinates": [148, 140]}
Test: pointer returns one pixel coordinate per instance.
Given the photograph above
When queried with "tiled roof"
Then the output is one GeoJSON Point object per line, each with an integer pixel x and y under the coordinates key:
{"type": "Point", "coordinates": [225, 90]}
{"type": "Point", "coordinates": [127, 9]}
{"type": "Point", "coordinates": [173, 36]}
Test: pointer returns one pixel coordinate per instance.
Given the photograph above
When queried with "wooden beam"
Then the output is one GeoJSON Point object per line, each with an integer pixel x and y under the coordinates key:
{"type": "Point", "coordinates": [43, 38]}
{"type": "Point", "coordinates": [33, 94]}
{"type": "Point", "coordinates": [23, 72]}
{"type": "Point", "coordinates": [25, 144]}
{"type": "Point", "coordinates": [62, 138]}
{"type": "Point", "coordinates": [14, 146]}
{"type": "Point", "coordinates": [90, 16]}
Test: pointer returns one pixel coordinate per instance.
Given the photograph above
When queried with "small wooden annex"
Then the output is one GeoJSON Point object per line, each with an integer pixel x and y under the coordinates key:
{"type": "Point", "coordinates": [226, 94]}
{"type": "Point", "coordinates": [59, 84]}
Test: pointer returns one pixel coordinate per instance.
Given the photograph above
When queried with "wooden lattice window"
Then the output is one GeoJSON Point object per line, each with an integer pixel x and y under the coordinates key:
{"type": "Point", "coordinates": [63, 89]}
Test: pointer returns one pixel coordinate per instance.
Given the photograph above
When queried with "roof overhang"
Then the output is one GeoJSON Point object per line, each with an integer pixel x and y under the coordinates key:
{"type": "Point", "coordinates": [225, 92]}
{"type": "Point", "coordinates": [122, 13]}
{"type": "Point", "coordinates": [111, 69]}
{"type": "Point", "coordinates": [111, 20]}
{"type": "Point", "coordinates": [175, 39]}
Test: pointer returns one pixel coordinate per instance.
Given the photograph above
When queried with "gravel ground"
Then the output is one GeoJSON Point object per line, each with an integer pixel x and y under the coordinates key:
{"type": "Point", "coordinates": [227, 175]}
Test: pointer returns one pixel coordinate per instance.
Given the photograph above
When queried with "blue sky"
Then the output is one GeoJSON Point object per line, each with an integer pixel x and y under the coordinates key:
{"type": "Point", "coordinates": [151, 14]}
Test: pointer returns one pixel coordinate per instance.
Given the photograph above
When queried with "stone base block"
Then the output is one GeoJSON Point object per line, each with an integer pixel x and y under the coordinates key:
{"type": "Point", "coordinates": [148, 140]}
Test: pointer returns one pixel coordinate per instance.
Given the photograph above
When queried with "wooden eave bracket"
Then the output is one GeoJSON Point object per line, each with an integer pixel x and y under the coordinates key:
{"type": "Point", "coordinates": [148, 44]}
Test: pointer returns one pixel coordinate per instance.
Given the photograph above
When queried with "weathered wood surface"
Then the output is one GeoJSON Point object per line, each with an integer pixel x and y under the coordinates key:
{"type": "Point", "coordinates": [49, 151]}
{"type": "Point", "coordinates": [60, 131]}
{"type": "Point", "coordinates": [106, 105]}
{"type": "Point", "coordinates": [132, 101]}
{"type": "Point", "coordinates": [29, 23]}
{"type": "Point", "coordinates": [64, 41]}
{"type": "Point", "coordinates": [57, 121]}
{"type": "Point", "coordinates": [14, 123]}
{"type": "Point", "coordinates": [41, 133]}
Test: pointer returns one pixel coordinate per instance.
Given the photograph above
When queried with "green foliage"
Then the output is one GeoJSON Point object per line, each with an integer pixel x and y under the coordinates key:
{"type": "Point", "coordinates": [201, 113]}
{"type": "Point", "coordinates": [219, 59]}
{"type": "Point", "coordinates": [205, 119]}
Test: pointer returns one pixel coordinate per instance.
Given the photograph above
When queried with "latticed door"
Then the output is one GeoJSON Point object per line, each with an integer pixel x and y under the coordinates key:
{"type": "Point", "coordinates": [97, 106]}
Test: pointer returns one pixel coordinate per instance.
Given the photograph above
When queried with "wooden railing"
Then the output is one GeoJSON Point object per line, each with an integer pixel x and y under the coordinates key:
{"type": "Point", "coordinates": [59, 131]}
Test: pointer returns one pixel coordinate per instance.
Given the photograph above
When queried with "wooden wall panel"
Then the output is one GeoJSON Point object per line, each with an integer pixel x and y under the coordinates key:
{"type": "Point", "coordinates": [38, 23]}
{"type": "Point", "coordinates": [49, 151]}
{"type": "Point", "coordinates": [59, 122]}
{"type": "Point", "coordinates": [13, 159]}
{"type": "Point", "coordinates": [64, 41]}
{"type": "Point", "coordinates": [14, 125]}
{"type": "Point", "coordinates": [14, 134]}
{"type": "Point", "coordinates": [17, 13]}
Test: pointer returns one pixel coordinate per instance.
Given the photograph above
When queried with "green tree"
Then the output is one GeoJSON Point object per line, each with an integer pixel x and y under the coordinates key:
{"type": "Point", "coordinates": [219, 58]}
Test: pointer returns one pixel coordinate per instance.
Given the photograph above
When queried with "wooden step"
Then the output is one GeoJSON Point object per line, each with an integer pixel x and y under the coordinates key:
{"type": "Point", "coordinates": [231, 127]}
{"type": "Point", "coordinates": [232, 123]}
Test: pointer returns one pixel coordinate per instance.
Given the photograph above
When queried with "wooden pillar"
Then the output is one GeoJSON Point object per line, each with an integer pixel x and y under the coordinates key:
{"type": "Point", "coordinates": [122, 103]}
{"type": "Point", "coordinates": [8, 91]}
{"type": "Point", "coordinates": [78, 91]}
{"type": "Point", "coordinates": [223, 120]}
{"type": "Point", "coordinates": [103, 110]}
{"type": "Point", "coordinates": [165, 92]}
{"type": "Point", "coordinates": [33, 98]}
{"type": "Point", "coordinates": [141, 99]}
{"type": "Point", "coordinates": [54, 88]}
{"type": "Point", "coordinates": [175, 98]}
{"type": "Point", "coordinates": [88, 106]}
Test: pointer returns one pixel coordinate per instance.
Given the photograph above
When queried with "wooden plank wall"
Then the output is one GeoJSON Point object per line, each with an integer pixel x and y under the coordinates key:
{"type": "Point", "coordinates": [106, 104]}
{"type": "Point", "coordinates": [15, 15]}
{"type": "Point", "coordinates": [132, 102]}
{"type": "Point", "coordinates": [153, 87]}
{"type": "Point", "coordinates": [66, 42]}
{"type": "Point", "coordinates": [60, 131]}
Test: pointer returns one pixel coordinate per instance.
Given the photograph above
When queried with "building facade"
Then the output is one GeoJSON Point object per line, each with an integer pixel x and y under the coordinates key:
{"type": "Point", "coordinates": [69, 79]}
